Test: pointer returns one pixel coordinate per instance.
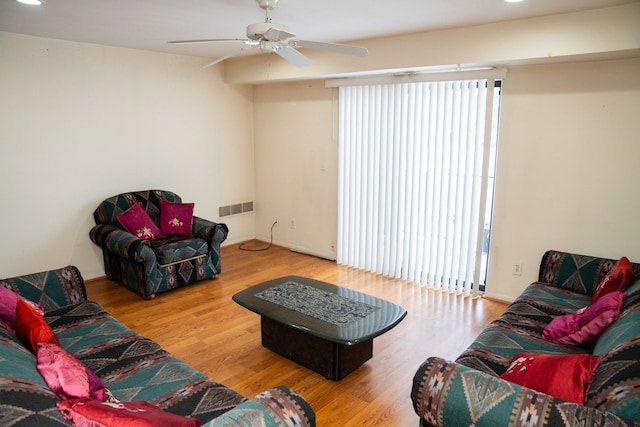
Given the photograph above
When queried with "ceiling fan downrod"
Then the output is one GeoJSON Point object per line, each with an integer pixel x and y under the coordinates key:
{"type": "Point", "coordinates": [267, 5]}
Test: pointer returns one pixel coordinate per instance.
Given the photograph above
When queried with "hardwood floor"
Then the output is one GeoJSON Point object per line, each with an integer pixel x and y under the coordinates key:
{"type": "Point", "coordinates": [201, 325]}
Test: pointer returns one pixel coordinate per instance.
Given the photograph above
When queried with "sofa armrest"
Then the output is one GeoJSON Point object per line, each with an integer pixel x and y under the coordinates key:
{"type": "Point", "coordinates": [213, 233]}
{"type": "Point", "coordinates": [121, 243]}
{"type": "Point", "coordinates": [276, 407]}
{"type": "Point", "coordinates": [51, 289]}
{"type": "Point", "coordinates": [449, 394]}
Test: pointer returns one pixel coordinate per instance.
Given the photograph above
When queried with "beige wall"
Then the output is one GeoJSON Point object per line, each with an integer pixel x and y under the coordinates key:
{"type": "Point", "coordinates": [567, 166]}
{"type": "Point", "coordinates": [296, 165]}
{"type": "Point", "coordinates": [568, 170]}
{"type": "Point", "coordinates": [81, 122]}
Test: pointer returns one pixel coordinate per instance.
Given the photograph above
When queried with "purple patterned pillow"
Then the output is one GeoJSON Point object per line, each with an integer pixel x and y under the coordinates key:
{"type": "Point", "coordinates": [138, 222]}
{"type": "Point", "coordinates": [176, 218]}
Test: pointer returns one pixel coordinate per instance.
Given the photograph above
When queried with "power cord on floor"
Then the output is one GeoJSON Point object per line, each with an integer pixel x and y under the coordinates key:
{"type": "Point", "coordinates": [259, 249]}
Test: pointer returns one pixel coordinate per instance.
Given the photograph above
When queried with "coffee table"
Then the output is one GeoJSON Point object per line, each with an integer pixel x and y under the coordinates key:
{"type": "Point", "coordinates": [326, 328]}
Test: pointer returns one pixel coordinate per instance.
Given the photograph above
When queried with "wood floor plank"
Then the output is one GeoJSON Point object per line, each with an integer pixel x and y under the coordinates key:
{"type": "Point", "coordinates": [201, 325]}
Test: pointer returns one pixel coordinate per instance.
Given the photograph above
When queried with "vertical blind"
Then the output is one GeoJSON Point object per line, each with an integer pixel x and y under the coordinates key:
{"type": "Point", "coordinates": [413, 160]}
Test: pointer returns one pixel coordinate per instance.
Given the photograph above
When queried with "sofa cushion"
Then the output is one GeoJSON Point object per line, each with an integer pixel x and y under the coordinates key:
{"type": "Point", "coordinates": [133, 367]}
{"type": "Point", "coordinates": [521, 327]}
{"type": "Point", "coordinates": [616, 279]}
{"type": "Point", "coordinates": [176, 218]}
{"type": "Point", "coordinates": [172, 249]}
{"type": "Point", "coordinates": [586, 324]}
{"type": "Point", "coordinates": [615, 383]}
{"type": "Point", "coordinates": [563, 376]}
{"type": "Point", "coordinates": [24, 396]}
{"type": "Point", "coordinates": [31, 328]}
{"type": "Point", "coordinates": [137, 222]}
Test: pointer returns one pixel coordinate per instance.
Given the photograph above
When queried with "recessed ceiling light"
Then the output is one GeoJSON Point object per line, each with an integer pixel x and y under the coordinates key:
{"type": "Point", "coordinates": [31, 2]}
{"type": "Point", "coordinates": [513, 1]}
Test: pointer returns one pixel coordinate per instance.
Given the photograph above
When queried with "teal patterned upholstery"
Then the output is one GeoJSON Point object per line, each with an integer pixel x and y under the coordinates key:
{"type": "Point", "coordinates": [152, 267]}
{"type": "Point", "coordinates": [51, 289]}
{"type": "Point", "coordinates": [469, 392]}
{"type": "Point", "coordinates": [132, 366]}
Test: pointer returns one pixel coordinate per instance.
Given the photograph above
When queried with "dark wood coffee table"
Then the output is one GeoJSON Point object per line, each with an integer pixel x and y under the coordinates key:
{"type": "Point", "coordinates": [326, 328]}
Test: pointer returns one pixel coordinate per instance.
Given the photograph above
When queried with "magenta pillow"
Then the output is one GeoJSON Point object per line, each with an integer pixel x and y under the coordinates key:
{"type": "Point", "coordinates": [8, 302]}
{"type": "Point", "coordinates": [65, 375]}
{"type": "Point", "coordinates": [566, 377]}
{"type": "Point", "coordinates": [616, 279]}
{"type": "Point", "coordinates": [176, 218]}
{"type": "Point", "coordinates": [586, 324]}
{"type": "Point", "coordinates": [68, 377]}
{"type": "Point", "coordinates": [31, 328]}
{"type": "Point", "coordinates": [90, 412]}
{"type": "Point", "coordinates": [138, 222]}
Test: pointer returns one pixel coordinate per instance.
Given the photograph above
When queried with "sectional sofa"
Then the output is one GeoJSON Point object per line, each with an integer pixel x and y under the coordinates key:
{"type": "Point", "coordinates": [129, 366]}
{"type": "Point", "coordinates": [565, 347]}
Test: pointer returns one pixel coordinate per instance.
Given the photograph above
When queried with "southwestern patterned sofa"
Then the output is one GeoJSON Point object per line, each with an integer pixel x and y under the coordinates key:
{"type": "Point", "coordinates": [130, 366]}
{"type": "Point", "coordinates": [153, 266]}
{"type": "Point", "coordinates": [470, 391]}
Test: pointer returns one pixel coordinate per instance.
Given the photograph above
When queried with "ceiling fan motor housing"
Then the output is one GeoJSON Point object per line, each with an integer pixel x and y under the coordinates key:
{"type": "Point", "coordinates": [256, 31]}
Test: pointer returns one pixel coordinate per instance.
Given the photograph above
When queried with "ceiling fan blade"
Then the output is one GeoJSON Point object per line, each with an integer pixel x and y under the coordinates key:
{"type": "Point", "coordinates": [346, 49]}
{"type": "Point", "coordinates": [275, 35]}
{"type": "Point", "coordinates": [293, 56]}
{"type": "Point", "coordinates": [222, 58]}
{"type": "Point", "coordinates": [204, 41]}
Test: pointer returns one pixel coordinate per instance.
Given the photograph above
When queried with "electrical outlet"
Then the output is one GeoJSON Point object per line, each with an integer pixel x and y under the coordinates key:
{"type": "Point", "coordinates": [516, 270]}
{"type": "Point", "coordinates": [333, 246]}
{"type": "Point", "coordinates": [276, 222]}
{"type": "Point", "coordinates": [293, 224]}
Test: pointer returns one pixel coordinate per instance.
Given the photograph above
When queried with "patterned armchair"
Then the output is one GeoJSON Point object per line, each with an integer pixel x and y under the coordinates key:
{"type": "Point", "coordinates": [153, 266]}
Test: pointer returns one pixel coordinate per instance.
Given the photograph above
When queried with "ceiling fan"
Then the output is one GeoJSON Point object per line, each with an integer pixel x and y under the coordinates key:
{"type": "Point", "coordinates": [269, 36]}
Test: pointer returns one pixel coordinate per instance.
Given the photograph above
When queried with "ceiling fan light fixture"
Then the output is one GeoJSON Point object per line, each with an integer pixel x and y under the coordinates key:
{"type": "Point", "coordinates": [31, 2]}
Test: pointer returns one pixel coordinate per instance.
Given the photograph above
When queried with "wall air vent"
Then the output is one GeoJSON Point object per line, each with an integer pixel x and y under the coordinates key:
{"type": "Point", "coordinates": [235, 209]}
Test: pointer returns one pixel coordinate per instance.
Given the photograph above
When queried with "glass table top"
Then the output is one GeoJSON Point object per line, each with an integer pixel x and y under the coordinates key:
{"type": "Point", "coordinates": [331, 312]}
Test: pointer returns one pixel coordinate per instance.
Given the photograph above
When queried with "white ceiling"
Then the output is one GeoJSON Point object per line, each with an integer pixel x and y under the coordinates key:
{"type": "Point", "coordinates": [150, 24]}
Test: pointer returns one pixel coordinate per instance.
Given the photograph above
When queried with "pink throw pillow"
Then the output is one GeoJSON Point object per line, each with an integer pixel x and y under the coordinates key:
{"type": "Point", "coordinates": [138, 222]}
{"type": "Point", "coordinates": [586, 324]}
{"type": "Point", "coordinates": [8, 302]}
{"type": "Point", "coordinates": [65, 375]}
{"type": "Point", "coordinates": [176, 218]}
{"type": "Point", "coordinates": [566, 377]}
{"type": "Point", "coordinates": [89, 412]}
{"type": "Point", "coordinates": [68, 377]}
{"type": "Point", "coordinates": [616, 279]}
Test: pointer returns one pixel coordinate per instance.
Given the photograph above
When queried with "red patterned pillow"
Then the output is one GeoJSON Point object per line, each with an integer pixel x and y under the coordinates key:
{"type": "Point", "coordinates": [90, 412]}
{"type": "Point", "coordinates": [586, 324]}
{"type": "Point", "coordinates": [138, 222]}
{"type": "Point", "coordinates": [31, 328]}
{"type": "Point", "coordinates": [176, 218]}
{"type": "Point", "coordinates": [566, 377]}
{"type": "Point", "coordinates": [616, 279]}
